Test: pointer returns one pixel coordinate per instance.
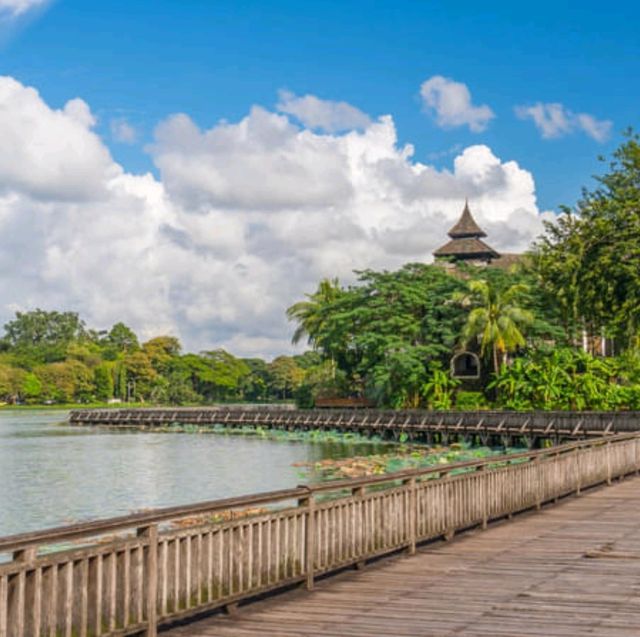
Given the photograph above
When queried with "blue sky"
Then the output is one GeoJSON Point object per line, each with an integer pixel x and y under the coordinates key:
{"type": "Point", "coordinates": [195, 167]}
{"type": "Point", "coordinates": [144, 60]}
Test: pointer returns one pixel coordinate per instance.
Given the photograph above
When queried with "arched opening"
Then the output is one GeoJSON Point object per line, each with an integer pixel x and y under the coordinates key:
{"type": "Point", "coordinates": [465, 365]}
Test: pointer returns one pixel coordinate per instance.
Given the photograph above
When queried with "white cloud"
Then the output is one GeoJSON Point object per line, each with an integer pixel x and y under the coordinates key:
{"type": "Point", "coordinates": [51, 154]}
{"type": "Point", "coordinates": [14, 8]}
{"type": "Point", "coordinates": [245, 218]}
{"type": "Point", "coordinates": [326, 115]}
{"type": "Point", "coordinates": [263, 161]}
{"type": "Point", "coordinates": [554, 120]}
{"type": "Point", "coordinates": [450, 101]}
{"type": "Point", "coordinates": [598, 129]}
{"type": "Point", "coordinates": [122, 131]}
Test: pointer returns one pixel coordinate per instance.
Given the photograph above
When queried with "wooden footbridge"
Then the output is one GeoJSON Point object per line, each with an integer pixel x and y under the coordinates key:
{"type": "Point", "coordinates": [571, 569]}
{"type": "Point", "coordinates": [487, 427]}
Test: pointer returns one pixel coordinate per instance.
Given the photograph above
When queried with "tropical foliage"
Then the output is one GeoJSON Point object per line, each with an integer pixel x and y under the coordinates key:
{"type": "Point", "coordinates": [495, 319]}
{"type": "Point", "coordinates": [569, 379]}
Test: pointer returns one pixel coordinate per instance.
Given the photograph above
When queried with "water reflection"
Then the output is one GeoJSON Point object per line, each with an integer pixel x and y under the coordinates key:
{"type": "Point", "coordinates": [53, 474]}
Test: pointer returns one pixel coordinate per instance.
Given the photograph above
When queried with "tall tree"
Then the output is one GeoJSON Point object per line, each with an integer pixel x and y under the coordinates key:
{"type": "Point", "coordinates": [590, 257]}
{"type": "Point", "coordinates": [122, 338]}
{"type": "Point", "coordinates": [43, 336]}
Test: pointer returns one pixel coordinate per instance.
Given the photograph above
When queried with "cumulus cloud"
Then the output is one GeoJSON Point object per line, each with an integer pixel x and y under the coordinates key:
{"type": "Point", "coordinates": [554, 120]}
{"type": "Point", "coordinates": [244, 219]}
{"type": "Point", "coordinates": [51, 154]}
{"type": "Point", "coordinates": [451, 104]}
{"type": "Point", "coordinates": [326, 115]}
{"type": "Point", "coordinates": [122, 131]}
{"type": "Point", "coordinates": [262, 162]}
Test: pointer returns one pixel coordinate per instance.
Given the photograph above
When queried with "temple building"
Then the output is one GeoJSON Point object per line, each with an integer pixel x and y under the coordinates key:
{"type": "Point", "coordinates": [466, 242]}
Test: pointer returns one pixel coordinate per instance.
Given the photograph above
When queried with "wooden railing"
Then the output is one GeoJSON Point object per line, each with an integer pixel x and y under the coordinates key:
{"type": "Point", "coordinates": [134, 573]}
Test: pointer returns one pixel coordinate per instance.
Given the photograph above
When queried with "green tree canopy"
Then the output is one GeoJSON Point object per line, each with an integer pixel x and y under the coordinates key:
{"type": "Point", "coordinates": [589, 259]}
{"type": "Point", "coordinates": [122, 338]}
{"type": "Point", "coordinates": [43, 336]}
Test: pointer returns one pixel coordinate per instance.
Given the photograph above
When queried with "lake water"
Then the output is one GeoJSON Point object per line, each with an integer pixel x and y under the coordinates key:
{"type": "Point", "coordinates": [53, 474]}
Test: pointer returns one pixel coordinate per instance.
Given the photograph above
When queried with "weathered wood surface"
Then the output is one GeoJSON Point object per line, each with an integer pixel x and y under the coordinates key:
{"type": "Point", "coordinates": [485, 426]}
{"type": "Point", "coordinates": [569, 571]}
{"type": "Point", "coordinates": [142, 574]}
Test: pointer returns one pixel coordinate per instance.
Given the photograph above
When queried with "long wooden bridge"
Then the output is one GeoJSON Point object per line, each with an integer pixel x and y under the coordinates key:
{"type": "Point", "coordinates": [487, 427]}
{"type": "Point", "coordinates": [146, 571]}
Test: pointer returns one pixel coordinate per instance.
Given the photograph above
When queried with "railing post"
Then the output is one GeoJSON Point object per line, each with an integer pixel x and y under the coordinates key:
{"type": "Point", "coordinates": [150, 533]}
{"type": "Point", "coordinates": [609, 476]}
{"type": "Point", "coordinates": [358, 492]}
{"type": "Point", "coordinates": [309, 538]}
{"type": "Point", "coordinates": [25, 555]}
{"type": "Point", "coordinates": [556, 470]}
{"type": "Point", "coordinates": [410, 483]}
{"type": "Point", "coordinates": [539, 481]}
{"type": "Point", "coordinates": [484, 477]}
{"type": "Point", "coordinates": [16, 616]}
{"type": "Point", "coordinates": [578, 454]}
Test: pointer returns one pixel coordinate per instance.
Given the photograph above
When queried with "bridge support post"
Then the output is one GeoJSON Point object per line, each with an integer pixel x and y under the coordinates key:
{"type": "Point", "coordinates": [151, 566]}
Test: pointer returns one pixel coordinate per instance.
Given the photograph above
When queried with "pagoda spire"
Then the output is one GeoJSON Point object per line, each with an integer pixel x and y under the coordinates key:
{"type": "Point", "coordinates": [466, 243]}
{"type": "Point", "coordinates": [466, 226]}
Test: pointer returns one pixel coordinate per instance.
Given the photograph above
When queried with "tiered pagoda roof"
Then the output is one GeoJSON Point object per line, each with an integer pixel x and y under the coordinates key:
{"type": "Point", "coordinates": [466, 243]}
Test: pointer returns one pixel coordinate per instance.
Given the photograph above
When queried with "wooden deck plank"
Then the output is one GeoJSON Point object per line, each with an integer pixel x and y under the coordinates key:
{"type": "Point", "coordinates": [527, 577]}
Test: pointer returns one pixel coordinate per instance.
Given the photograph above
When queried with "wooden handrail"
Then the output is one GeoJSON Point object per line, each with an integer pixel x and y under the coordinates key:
{"type": "Point", "coordinates": [135, 583]}
{"type": "Point", "coordinates": [135, 520]}
{"type": "Point", "coordinates": [166, 514]}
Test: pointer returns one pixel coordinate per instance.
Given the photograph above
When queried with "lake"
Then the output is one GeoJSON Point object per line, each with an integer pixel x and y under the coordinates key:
{"type": "Point", "coordinates": [53, 474]}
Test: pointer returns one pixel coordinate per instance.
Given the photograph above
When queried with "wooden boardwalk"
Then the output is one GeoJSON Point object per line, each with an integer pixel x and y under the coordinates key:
{"type": "Point", "coordinates": [568, 571]}
{"type": "Point", "coordinates": [487, 427]}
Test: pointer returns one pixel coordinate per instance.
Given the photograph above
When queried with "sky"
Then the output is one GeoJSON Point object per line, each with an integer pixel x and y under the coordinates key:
{"type": "Point", "coordinates": [195, 167]}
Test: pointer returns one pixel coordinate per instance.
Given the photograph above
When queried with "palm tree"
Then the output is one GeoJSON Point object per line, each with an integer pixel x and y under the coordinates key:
{"type": "Point", "coordinates": [309, 314]}
{"type": "Point", "coordinates": [496, 320]}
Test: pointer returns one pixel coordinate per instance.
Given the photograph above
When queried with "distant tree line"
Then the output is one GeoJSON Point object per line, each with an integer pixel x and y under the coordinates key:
{"type": "Point", "coordinates": [52, 357]}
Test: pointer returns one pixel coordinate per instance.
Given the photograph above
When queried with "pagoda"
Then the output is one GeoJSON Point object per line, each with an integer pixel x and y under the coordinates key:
{"type": "Point", "coordinates": [466, 242]}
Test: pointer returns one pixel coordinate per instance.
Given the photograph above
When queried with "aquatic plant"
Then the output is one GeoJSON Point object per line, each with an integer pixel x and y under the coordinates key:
{"type": "Point", "coordinates": [404, 457]}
